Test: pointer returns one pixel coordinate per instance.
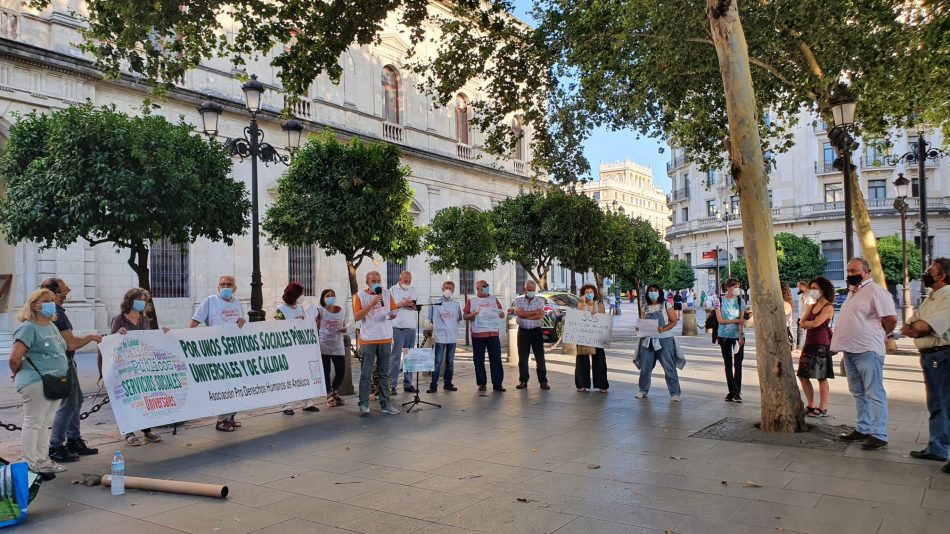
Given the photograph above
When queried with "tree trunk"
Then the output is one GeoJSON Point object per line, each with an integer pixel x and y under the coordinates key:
{"type": "Point", "coordinates": [351, 272]}
{"type": "Point", "coordinates": [138, 261]}
{"type": "Point", "coordinates": [640, 289]}
{"type": "Point", "coordinates": [782, 409]}
{"type": "Point", "coordinates": [573, 282]}
{"type": "Point", "coordinates": [346, 388]}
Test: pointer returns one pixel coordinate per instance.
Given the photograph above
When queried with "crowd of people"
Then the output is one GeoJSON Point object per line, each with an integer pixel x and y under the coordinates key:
{"type": "Point", "coordinates": [45, 376]}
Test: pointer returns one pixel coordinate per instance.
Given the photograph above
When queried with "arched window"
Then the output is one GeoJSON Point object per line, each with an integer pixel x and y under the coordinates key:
{"type": "Point", "coordinates": [461, 119]}
{"type": "Point", "coordinates": [517, 131]}
{"type": "Point", "coordinates": [390, 82]}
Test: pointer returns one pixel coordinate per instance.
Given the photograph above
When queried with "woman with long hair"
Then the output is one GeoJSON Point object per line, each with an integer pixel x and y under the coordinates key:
{"type": "Point", "coordinates": [660, 348]}
{"type": "Point", "coordinates": [815, 361]}
{"type": "Point", "coordinates": [730, 314]}
{"type": "Point", "coordinates": [590, 358]}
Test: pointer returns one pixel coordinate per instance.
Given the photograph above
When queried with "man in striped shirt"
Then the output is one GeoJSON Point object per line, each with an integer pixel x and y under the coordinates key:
{"type": "Point", "coordinates": [529, 312]}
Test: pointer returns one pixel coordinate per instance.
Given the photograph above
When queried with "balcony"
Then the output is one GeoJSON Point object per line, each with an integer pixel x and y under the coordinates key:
{"type": "Point", "coordinates": [299, 109]}
{"type": "Point", "coordinates": [465, 152]}
{"type": "Point", "coordinates": [520, 167]}
{"type": "Point", "coordinates": [872, 161]}
{"type": "Point", "coordinates": [825, 167]}
{"type": "Point", "coordinates": [681, 194]}
{"type": "Point", "coordinates": [393, 132]}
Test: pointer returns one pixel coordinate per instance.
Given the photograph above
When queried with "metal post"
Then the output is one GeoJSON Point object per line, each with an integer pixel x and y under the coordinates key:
{"type": "Point", "coordinates": [922, 181]}
{"type": "Point", "coordinates": [257, 296]}
{"type": "Point", "coordinates": [908, 310]}
{"type": "Point", "coordinates": [848, 223]}
{"type": "Point", "coordinates": [718, 286]}
{"type": "Point", "coordinates": [728, 247]}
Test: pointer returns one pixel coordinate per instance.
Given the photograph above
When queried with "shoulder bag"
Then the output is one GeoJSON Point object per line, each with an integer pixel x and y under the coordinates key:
{"type": "Point", "coordinates": [54, 387]}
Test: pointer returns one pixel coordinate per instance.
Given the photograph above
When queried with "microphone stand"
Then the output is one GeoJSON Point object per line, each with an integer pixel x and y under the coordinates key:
{"type": "Point", "coordinates": [416, 400]}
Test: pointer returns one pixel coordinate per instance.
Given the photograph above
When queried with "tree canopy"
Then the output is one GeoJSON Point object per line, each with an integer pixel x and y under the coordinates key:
{"type": "Point", "coordinates": [799, 258]}
{"type": "Point", "coordinates": [680, 275]}
{"type": "Point", "coordinates": [893, 263]}
{"type": "Point", "coordinates": [461, 237]}
{"type": "Point", "coordinates": [522, 235]}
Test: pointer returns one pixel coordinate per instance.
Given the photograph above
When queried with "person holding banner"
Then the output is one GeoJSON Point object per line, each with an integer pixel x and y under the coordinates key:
{"type": "Point", "coordinates": [485, 313]}
{"type": "Point", "coordinates": [291, 309]}
{"type": "Point", "coordinates": [589, 358]}
{"type": "Point", "coordinates": [216, 310]}
{"type": "Point", "coordinates": [374, 309]}
{"type": "Point", "coordinates": [659, 346]}
{"type": "Point", "coordinates": [529, 311]}
{"type": "Point", "coordinates": [331, 325]}
{"type": "Point", "coordinates": [445, 316]}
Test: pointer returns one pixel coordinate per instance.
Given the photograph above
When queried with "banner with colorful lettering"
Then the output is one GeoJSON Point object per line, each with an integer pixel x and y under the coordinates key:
{"type": "Point", "coordinates": [154, 378]}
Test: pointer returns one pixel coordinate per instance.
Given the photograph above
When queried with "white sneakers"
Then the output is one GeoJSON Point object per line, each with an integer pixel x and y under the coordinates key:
{"type": "Point", "coordinates": [364, 411]}
{"type": "Point", "coordinates": [391, 410]}
{"type": "Point", "coordinates": [640, 395]}
{"type": "Point", "coordinates": [675, 398]}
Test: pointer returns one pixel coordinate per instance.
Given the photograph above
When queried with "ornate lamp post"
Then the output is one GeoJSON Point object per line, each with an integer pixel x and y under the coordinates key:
{"type": "Point", "coordinates": [843, 109]}
{"type": "Point", "coordinates": [901, 185]}
{"type": "Point", "coordinates": [726, 217]}
{"type": "Point", "coordinates": [252, 146]}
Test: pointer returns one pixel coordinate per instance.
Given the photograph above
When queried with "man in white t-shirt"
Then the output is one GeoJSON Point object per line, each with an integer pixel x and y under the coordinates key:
{"type": "Point", "coordinates": [404, 329]}
{"type": "Point", "coordinates": [445, 315]}
{"type": "Point", "coordinates": [219, 309]}
{"type": "Point", "coordinates": [866, 318]}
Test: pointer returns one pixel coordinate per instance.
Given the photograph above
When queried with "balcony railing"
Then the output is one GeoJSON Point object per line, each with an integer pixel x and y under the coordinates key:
{"type": "Point", "coordinates": [393, 132]}
{"type": "Point", "coordinates": [877, 160]}
{"type": "Point", "coordinates": [520, 167]}
{"type": "Point", "coordinates": [681, 194]}
{"type": "Point", "coordinates": [465, 152]}
{"type": "Point", "coordinates": [299, 109]}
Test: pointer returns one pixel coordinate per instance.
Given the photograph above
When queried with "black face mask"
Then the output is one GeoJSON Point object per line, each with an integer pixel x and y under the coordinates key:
{"type": "Point", "coordinates": [928, 279]}
{"type": "Point", "coordinates": [854, 279]}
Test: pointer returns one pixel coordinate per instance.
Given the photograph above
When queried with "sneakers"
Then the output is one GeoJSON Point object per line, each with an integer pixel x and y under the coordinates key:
{"type": "Point", "coordinates": [499, 389]}
{"type": "Point", "coordinates": [924, 454]}
{"type": "Point", "coordinates": [61, 455]}
{"type": "Point", "coordinates": [391, 410]}
{"type": "Point", "coordinates": [79, 447]}
{"type": "Point", "coordinates": [288, 411]}
{"type": "Point", "coordinates": [737, 399]}
{"type": "Point", "coordinates": [640, 395]}
{"type": "Point", "coordinates": [854, 436]}
{"type": "Point", "coordinates": [311, 409]}
{"type": "Point", "coordinates": [545, 386]}
{"type": "Point", "coordinates": [364, 411]}
{"type": "Point", "coordinates": [676, 398]}
{"type": "Point", "coordinates": [946, 468]}
{"type": "Point", "coordinates": [410, 389]}
{"type": "Point", "coordinates": [450, 387]}
{"type": "Point", "coordinates": [873, 444]}
{"type": "Point", "coordinates": [729, 398]}
{"type": "Point", "coordinates": [432, 389]}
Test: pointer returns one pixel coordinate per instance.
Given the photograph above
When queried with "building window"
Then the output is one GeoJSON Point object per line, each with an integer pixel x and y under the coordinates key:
{"type": "Point", "coordinates": [833, 251]}
{"type": "Point", "coordinates": [711, 177]}
{"type": "Point", "coordinates": [877, 189]}
{"type": "Point", "coordinates": [740, 253]}
{"type": "Point", "coordinates": [689, 258]}
{"type": "Point", "coordinates": [930, 245]}
{"type": "Point", "coordinates": [834, 193]}
{"type": "Point", "coordinates": [301, 267]}
{"type": "Point", "coordinates": [876, 154]}
{"type": "Point", "coordinates": [390, 81]}
{"type": "Point", "coordinates": [685, 214]}
{"type": "Point", "coordinates": [597, 195]}
{"type": "Point", "coordinates": [686, 184]}
{"type": "Point", "coordinates": [394, 269]}
{"type": "Point", "coordinates": [168, 275]}
{"type": "Point", "coordinates": [710, 208]}
{"type": "Point", "coordinates": [829, 158]}
{"type": "Point", "coordinates": [734, 204]}
{"type": "Point", "coordinates": [770, 198]}
{"type": "Point", "coordinates": [467, 282]}
{"type": "Point", "coordinates": [461, 120]}
{"type": "Point", "coordinates": [517, 131]}
{"type": "Point", "coordinates": [914, 187]}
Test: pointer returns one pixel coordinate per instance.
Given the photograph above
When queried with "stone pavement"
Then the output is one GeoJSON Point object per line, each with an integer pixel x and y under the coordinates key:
{"type": "Point", "coordinates": [521, 462]}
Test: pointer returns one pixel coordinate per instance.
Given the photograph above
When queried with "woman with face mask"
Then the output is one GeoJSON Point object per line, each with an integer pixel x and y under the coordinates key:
{"type": "Point", "coordinates": [815, 362]}
{"type": "Point", "coordinates": [661, 348]}
{"type": "Point", "coordinates": [729, 314]}
{"type": "Point", "coordinates": [331, 325]}
{"type": "Point", "coordinates": [290, 310]}
{"type": "Point", "coordinates": [590, 359]}
{"type": "Point", "coordinates": [37, 350]}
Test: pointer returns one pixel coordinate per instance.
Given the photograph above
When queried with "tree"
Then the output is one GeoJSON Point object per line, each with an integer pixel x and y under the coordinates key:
{"type": "Point", "coordinates": [577, 227]}
{"type": "Point", "coordinates": [680, 275]}
{"type": "Point", "coordinates": [105, 177]}
{"type": "Point", "coordinates": [893, 262]}
{"type": "Point", "coordinates": [799, 258]}
{"type": "Point", "coordinates": [461, 238]}
{"type": "Point", "coordinates": [633, 250]}
{"type": "Point", "coordinates": [350, 199]}
{"type": "Point", "coordinates": [523, 236]}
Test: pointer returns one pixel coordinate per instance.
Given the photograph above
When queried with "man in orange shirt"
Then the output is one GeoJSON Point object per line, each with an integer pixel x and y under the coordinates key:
{"type": "Point", "coordinates": [374, 309]}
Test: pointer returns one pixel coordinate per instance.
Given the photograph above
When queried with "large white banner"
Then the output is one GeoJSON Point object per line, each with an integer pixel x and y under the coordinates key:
{"type": "Point", "coordinates": [584, 328]}
{"type": "Point", "coordinates": [157, 379]}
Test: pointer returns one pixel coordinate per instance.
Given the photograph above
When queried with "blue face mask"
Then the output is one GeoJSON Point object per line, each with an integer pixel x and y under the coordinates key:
{"type": "Point", "coordinates": [48, 309]}
{"type": "Point", "coordinates": [589, 296]}
{"type": "Point", "coordinates": [486, 290]}
{"type": "Point", "coordinates": [653, 295]}
{"type": "Point", "coordinates": [138, 305]}
{"type": "Point", "coordinates": [529, 294]}
{"type": "Point", "coordinates": [329, 300]}
{"type": "Point", "coordinates": [226, 293]}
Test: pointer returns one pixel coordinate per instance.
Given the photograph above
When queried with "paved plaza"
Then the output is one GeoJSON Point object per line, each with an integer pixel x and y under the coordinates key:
{"type": "Point", "coordinates": [520, 462]}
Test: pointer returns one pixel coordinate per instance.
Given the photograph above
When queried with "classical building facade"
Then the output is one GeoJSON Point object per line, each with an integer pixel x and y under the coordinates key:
{"type": "Point", "coordinates": [40, 69]}
{"type": "Point", "coordinates": [806, 195]}
{"type": "Point", "coordinates": [629, 186]}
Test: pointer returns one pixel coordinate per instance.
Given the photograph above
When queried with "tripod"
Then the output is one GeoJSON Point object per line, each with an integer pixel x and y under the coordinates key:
{"type": "Point", "coordinates": [416, 400]}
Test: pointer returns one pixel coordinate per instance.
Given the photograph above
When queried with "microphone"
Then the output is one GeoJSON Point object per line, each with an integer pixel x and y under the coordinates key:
{"type": "Point", "coordinates": [379, 291]}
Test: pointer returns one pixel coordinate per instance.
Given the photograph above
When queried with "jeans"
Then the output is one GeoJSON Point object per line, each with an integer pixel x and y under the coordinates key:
{"type": "Point", "coordinates": [733, 364]}
{"type": "Point", "coordinates": [493, 345]}
{"type": "Point", "coordinates": [582, 370]}
{"type": "Point", "coordinates": [936, 366]}
{"type": "Point", "coordinates": [648, 359]}
{"type": "Point", "coordinates": [531, 340]}
{"type": "Point", "coordinates": [446, 351]}
{"type": "Point", "coordinates": [339, 365]}
{"type": "Point", "coordinates": [866, 381]}
{"type": "Point", "coordinates": [373, 355]}
{"type": "Point", "coordinates": [37, 416]}
{"type": "Point", "coordinates": [66, 421]}
{"type": "Point", "coordinates": [800, 338]}
{"type": "Point", "coordinates": [403, 338]}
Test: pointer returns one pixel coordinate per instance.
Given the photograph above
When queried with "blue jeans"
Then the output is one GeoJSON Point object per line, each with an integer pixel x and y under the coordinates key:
{"type": "Point", "coordinates": [936, 368]}
{"type": "Point", "coordinates": [866, 381]}
{"type": "Point", "coordinates": [66, 420]}
{"type": "Point", "coordinates": [446, 350]}
{"type": "Point", "coordinates": [493, 346]}
{"type": "Point", "coordinates": [403, 338]}
{"type": "Point", "coordinates": [373, 355]}
{"type": "Point", "coordinates": [648, 359]}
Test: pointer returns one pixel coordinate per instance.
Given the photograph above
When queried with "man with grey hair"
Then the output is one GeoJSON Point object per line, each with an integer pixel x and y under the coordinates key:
{"type": "Point", "coordinates": [930, 329]}
{"type": "Point", "coordinates": [374, 310]}
{"type": "Point", "coordinates": [529, 312]}
{"type": "Point", "coordinates": [404, 330]}
{"type": "Point", "coordinates": [866, 318]}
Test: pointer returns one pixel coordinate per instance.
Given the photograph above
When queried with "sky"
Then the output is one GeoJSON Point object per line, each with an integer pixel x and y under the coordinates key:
{"type": "Point", "coordinates": [607, 146]}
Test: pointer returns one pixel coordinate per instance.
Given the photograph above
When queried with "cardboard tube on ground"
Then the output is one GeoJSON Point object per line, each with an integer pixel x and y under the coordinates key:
{"type": "Point", "coordinates": [171, 486]}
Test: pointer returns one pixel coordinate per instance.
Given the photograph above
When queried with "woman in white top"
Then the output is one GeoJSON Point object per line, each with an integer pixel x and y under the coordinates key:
{"type": "Point", "coordinates": [331, 325]}
{"type": "Point", "coordinates": [290, 310]}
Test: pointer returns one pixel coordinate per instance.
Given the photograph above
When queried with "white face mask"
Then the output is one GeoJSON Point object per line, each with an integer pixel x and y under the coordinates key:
{"type": "Point", "coordinates": [814, 294]}
{"type": "Point", "coordinates": [736, 292]}
{"type": "Point", "coordinates": [403, 286]}
{"type": "Point", "coordinates": [447, 293]}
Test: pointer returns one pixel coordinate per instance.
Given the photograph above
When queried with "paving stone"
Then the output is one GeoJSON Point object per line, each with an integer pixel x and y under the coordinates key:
{"type": "Point", "coordinates": [385, 523]}
{"type": "Point", "coordinates": [318, 510]}
{"type": "Point", "coordinates": [628, 515]}
{"type": "Point", "coordinates": [804, 519]}
{"type": "Point", "coordinates": [330, 486]}
{"type": "Point", "coordinates": [93, 520]}
{"type": "Point", "coordinates": [219, 517]}
{"type": "Point", "coordinates": [414, 502]}
{"type": "Point", "coordinates": [872, 491]}
{"type": "Point", "coordinates": [587, 525]}
{"type": "Point", "coordinates": [300, 526]}
{"type": "Point", "coordinates": [504, 519]}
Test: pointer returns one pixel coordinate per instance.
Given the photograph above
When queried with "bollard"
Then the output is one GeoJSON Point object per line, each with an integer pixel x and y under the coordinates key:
{"type": "Point", "coordinates": [512, 340]}
{"type": "Point", "coordinates": [689, 322]}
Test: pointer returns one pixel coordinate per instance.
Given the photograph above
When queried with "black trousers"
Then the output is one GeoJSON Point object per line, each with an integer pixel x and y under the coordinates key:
{"type": "Point", "coordinates": [733, 364]}
{"type": "Point", "coordinates": [531, 339]}
{"type": "Point", "coordinates": [582, 371]}
{"type": "Point", "coordinates": [339, 365]}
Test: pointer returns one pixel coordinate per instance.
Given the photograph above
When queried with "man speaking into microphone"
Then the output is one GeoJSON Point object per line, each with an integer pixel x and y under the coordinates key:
{"type": "Point", "coordinates": [374, 309]}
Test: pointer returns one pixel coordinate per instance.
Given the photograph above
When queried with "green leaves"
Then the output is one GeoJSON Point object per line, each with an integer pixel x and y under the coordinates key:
{"type": "Point", "coordinates": [889, 247]}
{"type": "Point", "coordinates": [799, 258]}
{"type": "Point", "coordinates": [461, 238]}
{"type": "Point", "coordinates": [680, 275]}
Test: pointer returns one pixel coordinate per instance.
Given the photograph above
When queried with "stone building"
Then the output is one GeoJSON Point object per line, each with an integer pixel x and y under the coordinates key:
{"type": "Point", "coordinates": [629, 186]}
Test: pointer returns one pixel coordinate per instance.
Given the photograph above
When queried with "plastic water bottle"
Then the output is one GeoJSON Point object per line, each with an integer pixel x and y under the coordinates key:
{"type": "Point", "coordinates": [118, 474]}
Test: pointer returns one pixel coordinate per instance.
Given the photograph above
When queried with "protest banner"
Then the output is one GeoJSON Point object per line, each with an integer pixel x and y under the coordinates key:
{"type": "Point", "coordinates": [419, 360]}
{"type": "Point", "coordinates": [584, 328]}
{"type": "Point", "coordinates": [154, 378]}
{"type": "Point", "coordinates": [646, 327]}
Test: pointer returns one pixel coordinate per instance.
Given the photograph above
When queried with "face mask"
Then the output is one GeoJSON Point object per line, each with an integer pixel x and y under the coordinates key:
{"type": "Point", "coordinates": [447, 293]}
{"type": "Point", "coordinates": [486, 290]}
{"type": "Point", "coordinates": [404, 287]}
{"type": "Point", "coordinates": [529, 294]}
{"type": "Point", "coordinates": [589, 296]}
{"type": "Point", "coordinates": [736, 292]}
{"type": "Point", "coordinates": [375, 286]}
{"type": "Point", "coordinates": [329, 300]}
{"type": "Point", "coordinates": [928, 279]}
{"type": "Point", "coordinates": [226, 293]}
{"type": "Point", "coordinates": [814, 294]}
{"type": "Point", "coordinates": [48, 309]}
{"type": "Point", "coordinates": [854, 279]}
{"type": "Point", "coordinates": [654, 295]}
{"type": "Point", "coordinates": [138, 305]}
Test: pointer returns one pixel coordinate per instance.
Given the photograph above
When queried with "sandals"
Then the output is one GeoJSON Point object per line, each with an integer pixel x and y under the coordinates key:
{"type": "Point", "coordinates": [152, 437]}
{"type": "Point", "coordinates": [811, 411]}
{"type": "Point", "coordinates": [224, 425]}
{"type": "Point", "coordinates": [331, 400]}
{"type": "Point", "coordinates": [132, 440]}
{"type": "Point", "coordinates": [236, 424]}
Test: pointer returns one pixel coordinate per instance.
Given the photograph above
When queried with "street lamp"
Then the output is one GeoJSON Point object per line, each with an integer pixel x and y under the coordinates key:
{"type": "Point", "coordinates": [902, 185]}
{"type": "Point", "coordinates": [726, 217]}
{"type": "Point", "coordinates": [252, 145]}
{"type": "Point", "coordinates": [842, 109]}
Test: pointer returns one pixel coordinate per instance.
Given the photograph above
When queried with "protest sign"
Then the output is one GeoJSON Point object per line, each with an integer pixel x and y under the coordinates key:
{"type": "Point", "coordinates": [584, 328]}
{"type": "Point", "coordinates": [646, 327]}
{"type": "Point", "coordinates": [154, 378]}
{"type": "Point", "coordinates": [419, 360]}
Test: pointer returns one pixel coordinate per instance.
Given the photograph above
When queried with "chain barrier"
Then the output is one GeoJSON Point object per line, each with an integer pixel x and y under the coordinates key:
{"type": "Point", "coordinates": [10, 426]}
{"type": "Point", "coordinates": [85, 415]}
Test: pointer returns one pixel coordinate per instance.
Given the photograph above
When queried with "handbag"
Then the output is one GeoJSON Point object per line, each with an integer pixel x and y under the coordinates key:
{"type": "Point", "coordinates": [54, 387]}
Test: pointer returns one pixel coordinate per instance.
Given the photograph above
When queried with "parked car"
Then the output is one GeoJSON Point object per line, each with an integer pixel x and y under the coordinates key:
{"type": "Point", "coordinates": [840, 295]}
{"type": "Point", "coordinates": [558, 303]}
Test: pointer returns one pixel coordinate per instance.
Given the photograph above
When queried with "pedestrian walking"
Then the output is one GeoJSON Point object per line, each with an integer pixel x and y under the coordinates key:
{"type": "Point", "coordinates": [702, 299]}
{"type": "Point", "coordinates": [930, 329]}
{"type": "Point", "coordinates": [866, 318]}
{"type": "Point", "coordinates": [404, 329]}
{"type": "Point", "coordinates": [612, 300]}
{"type": "Point", "coordinates": [220, 309]}
{"type": "Point", "coordinates": [485, 314]}
{"type": "Point", "coordinates": [375, 309]}
{"type": "Point", "coordinates": [445, 316]}
{"type": "Point", "coordinates": [66, 443]}
{"type": "Point", "coordinates": [331, 326]}
{"type": "Point", "coordinates": [529, 312]}
{"type": "Point", "coordinates": [660, 348]}
{"type": "Point", "coordinates": [711, 324]}
{"type": "Point", "coordinates": [690, 299]}
{"type": "Point", "coordinates": [816, 362]}
{"type": "Point", "coordinates": [291, 310]}
{"type": "Point", "coordinates": [731, 337]}
{"type": "Point", "coordinates": [590, 359]}
{"type": "Point", "coordinates": [804, 301]}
